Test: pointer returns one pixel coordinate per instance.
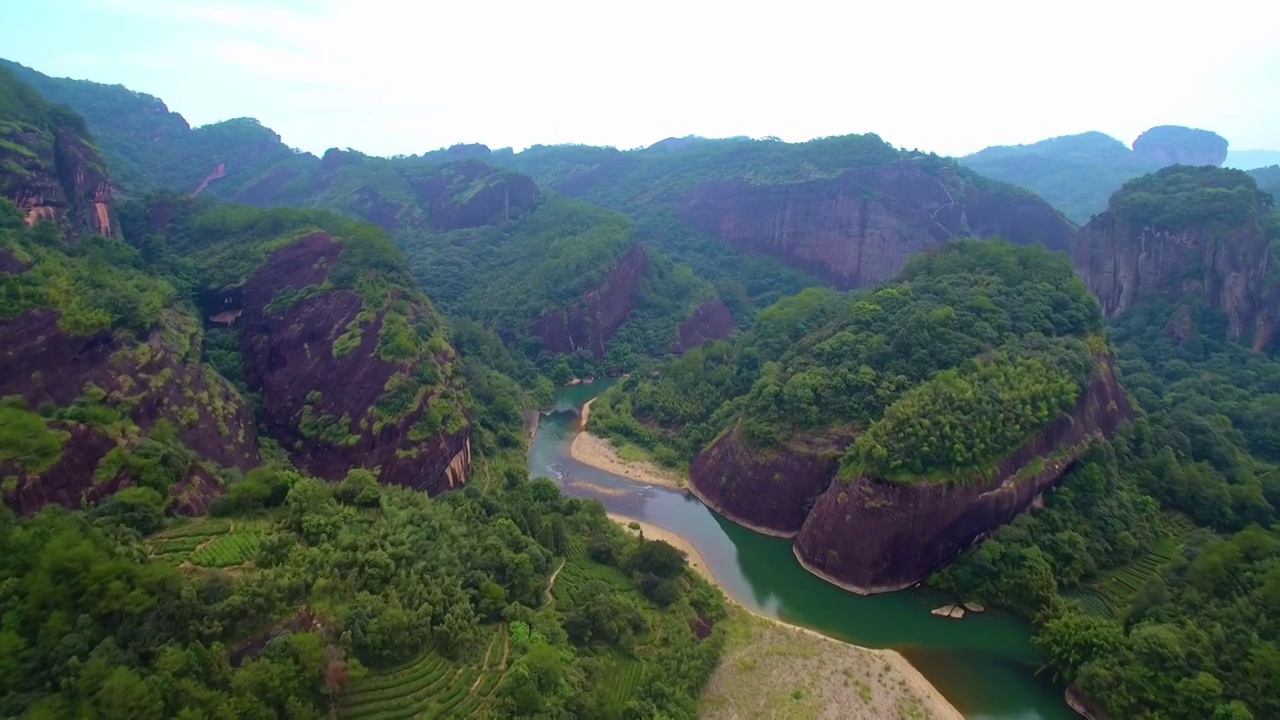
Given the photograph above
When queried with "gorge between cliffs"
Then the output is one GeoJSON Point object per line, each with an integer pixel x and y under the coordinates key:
{"type": "Point", "coordinates": [983, 665]}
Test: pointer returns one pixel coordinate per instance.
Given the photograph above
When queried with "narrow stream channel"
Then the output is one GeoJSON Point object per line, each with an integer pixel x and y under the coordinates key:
{"type": "Point", "coordinates": [984, 664]}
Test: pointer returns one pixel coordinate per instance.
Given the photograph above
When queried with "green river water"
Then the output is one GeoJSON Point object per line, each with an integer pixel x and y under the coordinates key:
{"type": "Point", "coordinates": [984, 664]}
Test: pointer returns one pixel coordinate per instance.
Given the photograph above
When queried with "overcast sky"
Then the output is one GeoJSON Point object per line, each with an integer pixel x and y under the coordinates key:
{"type": "Point", "coordinates": [400, 77]}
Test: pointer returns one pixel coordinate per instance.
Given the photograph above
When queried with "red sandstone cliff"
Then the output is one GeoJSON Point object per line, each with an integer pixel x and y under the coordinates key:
{"type": "Point", "coordinates": [59, 177]}
{"type": "Point", "coordinates": [871, 536]}
{"type": "Point", "coordinates": [592, 319]}
{"type": "Point", "coordinates": [159, 378]}
{"type": "Point", "coordinates": [290, 361]}
{"type": "Point", "coordinates": [768, 492]}
{"type": "Point", "coordinates": [859, 228]}
{"type": "Point", "coordinates": [1124, 262]}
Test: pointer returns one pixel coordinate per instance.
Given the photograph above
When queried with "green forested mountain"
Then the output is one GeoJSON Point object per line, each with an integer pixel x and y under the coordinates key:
{"type": "Point", "coordinates": [1075, 173]}
{"type": "Point", "coordinates": [822, 359]}
{"type": "Point", "coordinates": [150, 148]}
{"type": "Point", "coordinates": [223, 361]}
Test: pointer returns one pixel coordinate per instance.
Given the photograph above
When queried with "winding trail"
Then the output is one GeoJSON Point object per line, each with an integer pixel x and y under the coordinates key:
{"type": "Point", "coordinates": [551, 583]}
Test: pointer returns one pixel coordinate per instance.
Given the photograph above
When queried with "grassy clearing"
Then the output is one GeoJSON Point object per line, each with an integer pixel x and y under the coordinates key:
{"type": "Point", "coordinates": [430, 686]}
{"type": "Point", "coordinates": [773, 671]}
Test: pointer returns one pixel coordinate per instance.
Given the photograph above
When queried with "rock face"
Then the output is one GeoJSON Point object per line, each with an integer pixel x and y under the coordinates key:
{"type": "Point", "coordinates": [592, 319]}
{"type": "Point", "coordinates": [1124, 261]}
{"type": "Point", "coordinates": [1175, 145]}
{"type": "Point", "coordinates": [770, 493]}
{"type": "Point", "coordinates": [473, 193]}
{"type": "Point", "coordinates": [147, 381]}
{"type": "Point", "coordinates": [291, 360]}
{"type": "Point", "coordinates": [60, 177]}
{"type": "Point", "coordinates": [859, 228]}
{"type": "Point", "coordinates": [711, 320]}
{"type": "Point", "coordinates": [872, 536]}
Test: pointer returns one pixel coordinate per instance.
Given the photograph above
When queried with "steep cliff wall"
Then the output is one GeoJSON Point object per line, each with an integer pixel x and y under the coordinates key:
{"type": "Point", "coordinates": [55, 174]}
{"type": "Point", "coordinates": [592, 318]}
{"type": "Point", "coordinates": [327, 394]}
{"type": "Point", "coordinates": [1222, 256]}
{"type": "Point", "coordinates": [858, 228]}
{"type": "Point", "coordinates": [710, 320]}
{"type": "Point", "coordinates": [108, 391]}
{"type": "Point", "coordinates": [873, 536]}
{"type": "Point", "coordinates": [768, 492]}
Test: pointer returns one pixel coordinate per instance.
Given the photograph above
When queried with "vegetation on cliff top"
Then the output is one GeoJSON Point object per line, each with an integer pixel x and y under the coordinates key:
{"type": "Point", "coordinates": [1142, 609]}
{"type": "Point", "coordinates": [820, 358]}
{"type": "Point", "coordinates": [1181, 197]}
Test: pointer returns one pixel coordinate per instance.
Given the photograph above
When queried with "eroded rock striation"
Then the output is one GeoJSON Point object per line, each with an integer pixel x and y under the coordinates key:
{"type": "Point", "coordinates": [1136, 251]}
{"type": "Point", "coordinates": [869, 535]}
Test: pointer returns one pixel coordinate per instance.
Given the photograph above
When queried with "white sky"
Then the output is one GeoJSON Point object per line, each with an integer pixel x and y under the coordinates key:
{"type": "Point", "coordinates": [390, 77]}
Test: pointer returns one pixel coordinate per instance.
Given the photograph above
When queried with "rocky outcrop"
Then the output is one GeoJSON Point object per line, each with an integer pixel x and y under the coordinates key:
{"type": "Point", "coordinates": [57, 175]}
{"type": "Point", "coordinates": [859, 228]}
{"type": "Point", "coordinates": [591, 320]}
{"type": "Point", "coordinates": [159, 378]}
{"type": "Point", "coordinates": [1176, 145]}
{"type": "Point", "coordinates": [322, 403]}
{"type": "Point", "coordinates": [769, 492]}
{"type": "Point", "coordinates": [869, 535]}
{"type": "Point", "coordinates": [473, 193]}
{"type": "Point", "coordinates": [710, 320]}
{"type": "Point", "coordinates": [1124, 261]}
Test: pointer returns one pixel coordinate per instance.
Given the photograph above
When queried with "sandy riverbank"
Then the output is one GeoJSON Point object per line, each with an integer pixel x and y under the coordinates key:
{"type": "Point", "coordinates": [774, 669]}
{"type": "Point", "coordinates": [599, 453]}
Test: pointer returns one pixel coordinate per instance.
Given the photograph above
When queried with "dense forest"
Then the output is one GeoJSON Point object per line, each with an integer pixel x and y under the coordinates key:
{"type": "Point", "coordinates": [299, 596]}
{"type": "Point", "coordinates": [821, 359]}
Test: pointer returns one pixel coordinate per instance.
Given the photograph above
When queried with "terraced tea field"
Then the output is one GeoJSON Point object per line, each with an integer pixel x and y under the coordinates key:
{"type": "Point", "coordinates": [208, 542]}
{"type": "Point", "coordinates": [1111, 593]}
{"type": "Point", "coordinates": [430, 687]}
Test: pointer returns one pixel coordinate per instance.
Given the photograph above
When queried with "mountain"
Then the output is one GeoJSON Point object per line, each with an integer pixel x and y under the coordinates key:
{"type": "Point", "coordinates": [1176, 145]}
{"type": "Point", "coordinates": [52, 170]}
{"type": "Point", "coordinates": [1252, 159]}
{"type": "Point", "coordinates": [861, 422]}
{"type": "Point", "coordinates": [150, 148]}
{"type": "Point", "coordinates": [108, 347]}
{"type": "Point", "coordinates": [846, 209]}
{"type": "Point", "coordinates": [1075, 173]}
{"type": "Point", "coordinates": [1187, 235]}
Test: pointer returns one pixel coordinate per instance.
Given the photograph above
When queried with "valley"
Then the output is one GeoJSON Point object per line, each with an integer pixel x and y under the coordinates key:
{"type": "Point", "coordinates": [304, 435]}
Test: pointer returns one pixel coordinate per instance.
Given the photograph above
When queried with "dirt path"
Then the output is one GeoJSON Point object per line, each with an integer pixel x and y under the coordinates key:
{"type": "Point", "coordinates": [506, 648]}
{"type": "Point", "coordinates": [483, 664]}
{"type": "Point", "coordinates": [552, 583]}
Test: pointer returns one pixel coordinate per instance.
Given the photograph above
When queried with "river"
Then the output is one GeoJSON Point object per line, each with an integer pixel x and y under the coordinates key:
{"type": "Point", "coordinates": [984, 664]}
